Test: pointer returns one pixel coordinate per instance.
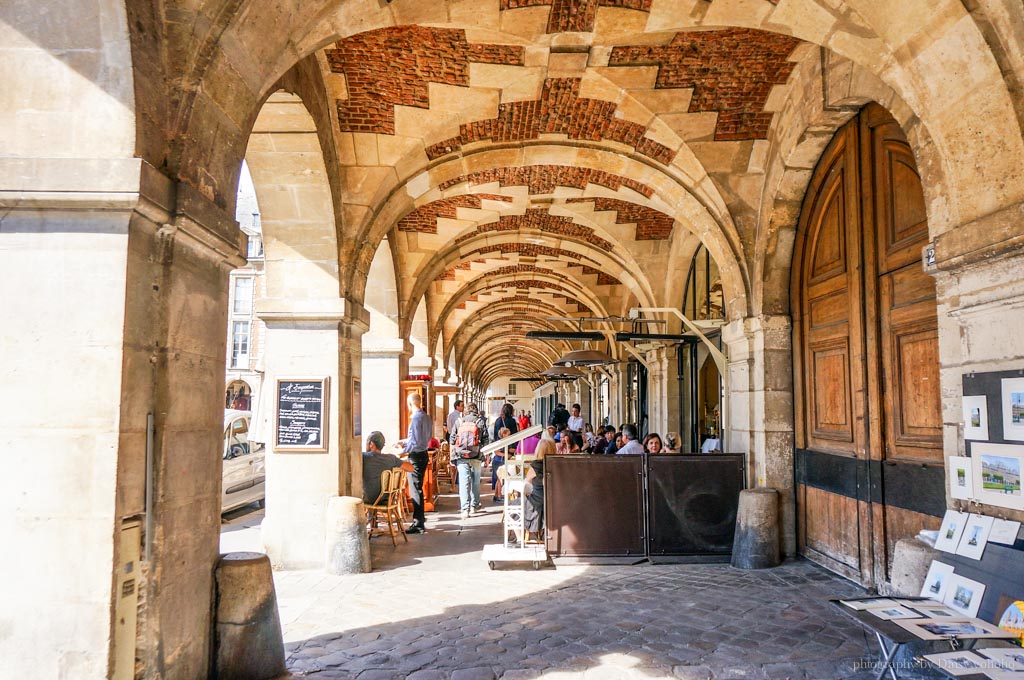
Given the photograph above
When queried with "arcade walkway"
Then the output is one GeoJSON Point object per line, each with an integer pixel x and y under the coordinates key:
{"type": "Point", "coordinates": [432, 610]}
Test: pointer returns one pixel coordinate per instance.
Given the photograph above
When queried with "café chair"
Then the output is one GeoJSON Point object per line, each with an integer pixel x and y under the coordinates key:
{"type": "Point", "coordinates": [443, 468]}
{"type": "Point", "coordinates": [388, 502]}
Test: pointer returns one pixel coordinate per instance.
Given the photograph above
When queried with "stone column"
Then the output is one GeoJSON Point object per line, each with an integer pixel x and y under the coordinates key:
{"type": "Point", "coordinates": [385, 362]}
{"type": "Point", "coordinates": [760, 408]}
{"type": "Point", "coordinates": [114, 282]}
{"type": "Point", "coordinates": [662, 363]}
{"type": "Point", "coordinates": [310, 338]}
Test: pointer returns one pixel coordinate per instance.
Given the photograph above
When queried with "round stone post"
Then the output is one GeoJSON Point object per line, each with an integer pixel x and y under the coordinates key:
{"type": "Point", "coordinates": [347, 545]}
{"type": "Point", "coordinates": [249, 644]}
{"type": "Point", "coordinates": [756, 545]}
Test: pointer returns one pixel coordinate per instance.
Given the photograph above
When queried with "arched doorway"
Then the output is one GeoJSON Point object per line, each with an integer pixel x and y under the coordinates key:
{"type": "Point", "coordinates": [238, 395]}
{"type": "Point", "coordinates": [868, 423]}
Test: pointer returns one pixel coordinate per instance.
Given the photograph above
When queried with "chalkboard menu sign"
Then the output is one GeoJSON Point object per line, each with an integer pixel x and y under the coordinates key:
{"type": "Point", "coordinates": [301, 414]}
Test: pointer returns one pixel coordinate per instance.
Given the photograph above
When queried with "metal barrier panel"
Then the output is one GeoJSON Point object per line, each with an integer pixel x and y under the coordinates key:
{"type": "Point", "coordinates": [594, 505]}
{"type": "Point", "coordinates": [692, 503]}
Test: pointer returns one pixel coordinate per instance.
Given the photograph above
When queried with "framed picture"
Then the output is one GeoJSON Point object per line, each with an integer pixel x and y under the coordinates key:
{"type": "Point", "coordinates": [941, 629]}
{"type": "Point", "coordinates": [975, 537]}
{"type": "Point", "coordinates": [964, 595]}
{"type": "Point", "coordinates": [959, 663]}
{"type": "Point", "coordinates": [949, 533]}
{"type": "Point", "coordinates": [996, 469]}
{"type": "Point", "coordinates": [891, 613]}
{"type": "Point", "coordinates": [301, 414]}
{"type": "Point", "coordinates": [1011, 658]}
{"type": "Point", "coordinates": [975, 418]}
{"type": "Point", "coordinates": [1013, 409]}
{"type": "Point", "coordinates": [869, 603]}
{"type": "Point", "coordinates": [938, 612]}
{"type": "Point", "coordinates": [936, 581]}
{"type": "Point", "coordinates": [1004, 531]}
{"type": "Point", "coordinates": [961, 478]}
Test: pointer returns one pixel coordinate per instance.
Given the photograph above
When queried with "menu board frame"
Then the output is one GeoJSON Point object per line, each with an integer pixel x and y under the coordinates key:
{"type": "Point", "coordinates": [323, 384]}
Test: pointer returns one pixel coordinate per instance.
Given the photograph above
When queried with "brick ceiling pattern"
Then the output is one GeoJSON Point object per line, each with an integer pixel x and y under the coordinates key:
{"type": "Point", "coordinates": [560, 110]}
{"type": "Point", "coordinates": [541, 220]}
{"type": "Point", "coordinates": [651, 224]}
{"type": "Point", "coordinates": [522, 288]}
{"type": "Point", "coordinates": [575, 15]}
{"type": "Point", "coordinates": [392, 66]}
{"type": "Point", "coordinates": [603, 279]}
{"type": "Point", "coordinates": [424, 218]}
{"type": "Point", "coordinates": [542, 179]}
{"type": "Point", "coordinates": [731, 71]}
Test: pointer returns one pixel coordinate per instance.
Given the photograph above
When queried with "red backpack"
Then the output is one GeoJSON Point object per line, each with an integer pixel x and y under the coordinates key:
{"type": "Point", "coordinates": [467, 440]}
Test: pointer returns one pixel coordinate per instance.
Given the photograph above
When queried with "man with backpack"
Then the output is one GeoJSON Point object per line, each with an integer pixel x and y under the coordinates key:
{"type": "Point", "coordinates": [469, 434]}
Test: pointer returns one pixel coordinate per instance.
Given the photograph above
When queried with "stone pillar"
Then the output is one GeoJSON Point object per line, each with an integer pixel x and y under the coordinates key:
{"type": "Point", "coordinates": [347, 548]}
{"type": "Point", "coordinates": [662, 365]}
{"type": "Point", "coordinates": [385, 362]}
{"type": "Point", "coordinates": [114, 282]}
{"type": "Point", "coordinates": [759, 420]}
{"type": "Point", "coordinates": [310, 338]}
{"type": "Point", "coordinates": [979, 282]}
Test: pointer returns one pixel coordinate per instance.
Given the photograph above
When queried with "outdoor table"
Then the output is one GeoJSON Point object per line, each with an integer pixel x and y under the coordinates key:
{"type": "Point", "coordinates": [891, 637]}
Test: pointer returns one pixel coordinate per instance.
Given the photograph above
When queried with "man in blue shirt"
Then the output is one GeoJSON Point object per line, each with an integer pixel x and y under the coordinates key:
{"type": "Point", "coordinates": [415, 444]}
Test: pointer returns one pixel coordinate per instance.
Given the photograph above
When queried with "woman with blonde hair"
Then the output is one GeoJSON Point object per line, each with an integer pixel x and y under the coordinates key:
{"type": "Point", "coordinates": [533, 489]}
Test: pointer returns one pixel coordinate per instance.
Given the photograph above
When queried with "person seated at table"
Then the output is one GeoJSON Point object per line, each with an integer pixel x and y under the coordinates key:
{"type": "Point", "coordinates": [374, 463]}
{"type": "Point", "coordinates": [671, 442]}
{"type": "Point", "coordinates": [630, 445]}
{"type": "Point", "coordinates": [605, 441]}
{"type": "Point", "coordinates": [575, 440]}
{"type": "Point", "coordinates": [562, 442]}
{"type": "Point", "coordinates": [552, 431]}
{"type": "Point", "coordinates": [653, 444]}
{"type": "Point", "coordinates": [589, 438]}
{"type": "Point", "coordinates": [533, 489]}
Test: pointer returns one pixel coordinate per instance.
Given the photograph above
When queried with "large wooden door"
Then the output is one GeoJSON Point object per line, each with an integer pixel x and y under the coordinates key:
{"type": "Point", "coordinates": [869, 458]}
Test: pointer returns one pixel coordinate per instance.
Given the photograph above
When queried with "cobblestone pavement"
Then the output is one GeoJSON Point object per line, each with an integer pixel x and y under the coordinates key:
{"type": "Point", "coordinates": [432, 610]}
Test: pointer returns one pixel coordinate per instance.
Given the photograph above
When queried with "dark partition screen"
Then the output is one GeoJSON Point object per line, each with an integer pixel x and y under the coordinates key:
{"type": "Point", "coordinates": [692, 502]}
{"type": "Point", "coordinates": [594, 505]}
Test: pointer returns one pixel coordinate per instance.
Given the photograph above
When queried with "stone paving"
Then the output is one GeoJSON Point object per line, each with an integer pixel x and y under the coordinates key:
{"type": "Point", "coordinates": [432, 610]}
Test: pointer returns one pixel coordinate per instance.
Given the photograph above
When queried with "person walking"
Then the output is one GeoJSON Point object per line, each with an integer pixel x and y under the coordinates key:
{"type": "Point", "coordinates": [508, 422]}
{"type": "Point", "coordinates": [415, 444]}
{"type": "Point", "coordinates": [449, 426]}
{"type": "Point", "coordinates": [469, 435]}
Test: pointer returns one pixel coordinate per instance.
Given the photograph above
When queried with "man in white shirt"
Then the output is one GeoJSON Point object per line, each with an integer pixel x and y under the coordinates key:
{"type": "Point", "coordinates": [632, 446]}
{"type": "Point", "coordinates": [576, 420]}
{"type": "Point", "coordinates": [457, 409]}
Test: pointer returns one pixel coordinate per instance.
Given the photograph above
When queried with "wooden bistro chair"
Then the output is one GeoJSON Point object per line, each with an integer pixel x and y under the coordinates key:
{"type": "Point", "coordinates": [389, 503]}
{"type": "Point", "coordinates": [443, 465]}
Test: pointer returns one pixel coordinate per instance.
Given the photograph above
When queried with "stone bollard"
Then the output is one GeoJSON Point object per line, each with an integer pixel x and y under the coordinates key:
{"type": "Point", "coordinates": [756, 544]}
{"type": "Point", "coordinates": [347, 544]}
{"type": "Point", "coordinates": [249, 644]}
{"type": "Point", "coordinates": [910, 562]}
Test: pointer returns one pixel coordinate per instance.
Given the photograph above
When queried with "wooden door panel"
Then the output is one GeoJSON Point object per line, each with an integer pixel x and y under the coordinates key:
{"type": "Point", "coordinates": [900, 215]}
{"type": "Point", "coordinates": [899, 523]}
{"type": "Point", "coordinates": [832, 526]}
{"type": "Point", "coordinates": [831, 412]}
{"type": "Point", "coordinates": [829, 247]}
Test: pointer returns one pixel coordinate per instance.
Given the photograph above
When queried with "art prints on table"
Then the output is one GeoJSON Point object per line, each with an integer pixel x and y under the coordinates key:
{"type": "Point", "coordinates": [891, 613]}
{"type": "Point", "coordinates": [1013, 409]}
{"type": "Point", "coordinates": [952, 529]}
{"type": "Point", "coordinates": [1011, 658]}
{"type": "Point", "coordinates": [964, 595]}
{"type": "Point", "coordinates": [961, 478]}
{"type": "Point", "coordinates": [940, 629]}
{"type": "Point", "coordinates": [937, 580]}
{"type": "Point", "coordinates": [1004, 531]}
{"type": "Point", "coordinates": [975, 418]}
{"type": "Point", "coordinates": [869, 603]}
{"type": "Point", "coordinates": [959, 663]}
{"type": "Point", "coordinates": [996, 469]}
{"type": "Point", "coordinates": [937, 611]}
{"type": "Point", "coordinates": [976, 531]}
